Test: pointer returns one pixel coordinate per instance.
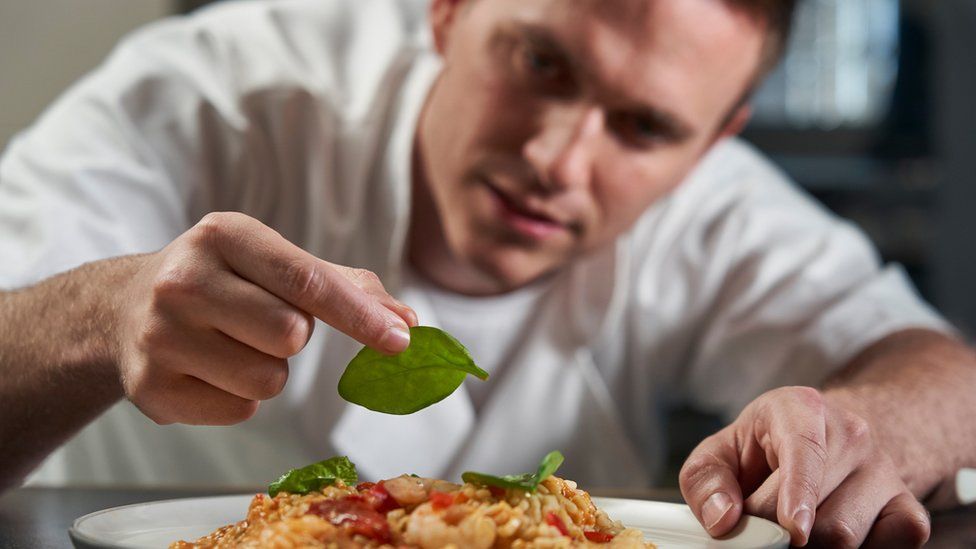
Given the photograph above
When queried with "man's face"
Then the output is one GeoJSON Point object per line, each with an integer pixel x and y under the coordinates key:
{"type": "Point", "coordinates": [556, 123]}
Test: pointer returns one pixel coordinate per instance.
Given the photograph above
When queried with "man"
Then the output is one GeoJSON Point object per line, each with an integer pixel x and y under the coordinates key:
{"type": "Point", "coordinates": [520, 189]}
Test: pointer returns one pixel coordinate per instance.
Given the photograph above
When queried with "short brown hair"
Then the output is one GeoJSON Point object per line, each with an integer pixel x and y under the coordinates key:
{"type": "Point", "coordinates": [777, 15]}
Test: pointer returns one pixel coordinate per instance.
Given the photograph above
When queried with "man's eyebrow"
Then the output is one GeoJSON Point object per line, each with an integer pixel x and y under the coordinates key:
{"type": "Point", "coordinates": [670, 123]}
{"type": "Point", "coordinates": [541, 38]}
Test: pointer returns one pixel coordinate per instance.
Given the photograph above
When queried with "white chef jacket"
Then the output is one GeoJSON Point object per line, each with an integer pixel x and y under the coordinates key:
{"type": "Point", "coordinates": [302, 113]}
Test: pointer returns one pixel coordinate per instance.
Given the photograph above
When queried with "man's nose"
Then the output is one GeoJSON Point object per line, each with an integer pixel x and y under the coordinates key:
{"type": "Point", "coordinates": [561, 151]}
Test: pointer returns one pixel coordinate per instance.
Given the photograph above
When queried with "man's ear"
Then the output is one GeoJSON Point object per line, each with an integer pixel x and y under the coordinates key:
{"type": "Point", "coordinates": [443, 14]}
{"type": "Point", "coordinates": [735, 123]}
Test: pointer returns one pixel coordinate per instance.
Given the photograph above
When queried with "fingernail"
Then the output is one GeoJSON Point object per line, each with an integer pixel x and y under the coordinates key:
{"type": "Point", "coordinates": [803, 520]}
{"type": "Point", "coordinates": [396, 339]}
{"type": "Point", "coordinates": [715, 508]}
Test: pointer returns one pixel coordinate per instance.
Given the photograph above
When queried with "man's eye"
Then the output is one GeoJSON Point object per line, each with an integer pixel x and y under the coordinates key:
{"type": "Point", "coordinates": [541, 64]}
{"type": "Point", "coordinates": [638, 131]}
{"type": "Point", "coordinates": [543, 69]}
{"type": "Point", "coordinates": [645, 128]}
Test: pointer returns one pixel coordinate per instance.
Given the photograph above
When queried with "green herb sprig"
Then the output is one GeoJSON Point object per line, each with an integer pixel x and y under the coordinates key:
{"type": "Point", "coordinates": [432, 367]}
{"type": "Point", "coordinates": [315, 477]}
{"type": "Point", "coordinates": [526, 481]}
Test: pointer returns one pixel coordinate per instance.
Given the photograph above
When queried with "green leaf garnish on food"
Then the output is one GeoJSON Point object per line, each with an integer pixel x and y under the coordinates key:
{"type": "Point", "coordinates": [315, 477]}
{"type": "Point", "coordinates": [526, 481]}
{"type": "Point", "coordinates": [432, 367]}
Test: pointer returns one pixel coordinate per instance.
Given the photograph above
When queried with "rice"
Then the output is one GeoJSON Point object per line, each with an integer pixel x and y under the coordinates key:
{"type": "Point", "coordinates": [412, 512]}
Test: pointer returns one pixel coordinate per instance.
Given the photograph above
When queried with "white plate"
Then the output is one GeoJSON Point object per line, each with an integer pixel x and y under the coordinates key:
{"type": "Point", "coordinates": [157, 524]}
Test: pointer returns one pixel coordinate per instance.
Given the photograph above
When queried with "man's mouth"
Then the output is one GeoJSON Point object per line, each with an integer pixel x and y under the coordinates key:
{"type": "Point", "coordinates": [524, 220]}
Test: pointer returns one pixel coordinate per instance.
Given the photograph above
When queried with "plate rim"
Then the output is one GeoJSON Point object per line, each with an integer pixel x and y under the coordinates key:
{"type": "Point", "coordinates": [77, 535]}
{"type": "Point", "coordinates": [784, 535]}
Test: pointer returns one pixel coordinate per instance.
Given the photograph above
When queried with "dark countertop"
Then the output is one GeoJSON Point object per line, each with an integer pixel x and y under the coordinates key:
{"type": "Point", "coordinates": [38, 518]}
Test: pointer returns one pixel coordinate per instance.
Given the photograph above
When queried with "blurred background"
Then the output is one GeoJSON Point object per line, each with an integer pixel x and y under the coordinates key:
{"type": "Point", "coordinates": [872, 112]}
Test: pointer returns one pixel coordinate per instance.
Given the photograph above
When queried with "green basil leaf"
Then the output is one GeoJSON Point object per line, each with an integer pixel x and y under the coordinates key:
{"type": "Point", "coordinates": [315, 477]}
{"type": "Point", "coordinates": [432, 367]}
{"type": "Point", "coordinates": [549, 465]}
{"type": "Point", "coordinates": [526, 481]}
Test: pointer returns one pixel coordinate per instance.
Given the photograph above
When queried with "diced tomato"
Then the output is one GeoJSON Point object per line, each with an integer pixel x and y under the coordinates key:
{"type": "Point", "coordinates": [497, 491]}
{"type": "Point", "coordinates": [380, 499]}
{"type": "Point", "coordinates": [598, 537]}
{"type": "Point", "coordinates": [355, 515]}
{"type": "Point", "coordinates": [363, 486]}
{"type": "Point", "coordinates": [552, 519]}
{"type": "Point", "coordinates": [441, 500]}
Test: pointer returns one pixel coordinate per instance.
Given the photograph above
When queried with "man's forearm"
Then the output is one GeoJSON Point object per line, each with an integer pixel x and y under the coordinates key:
{"type": "Point", "coordinates": [916, 389]}
{"type": "Point", "coordinates": [57, 362]}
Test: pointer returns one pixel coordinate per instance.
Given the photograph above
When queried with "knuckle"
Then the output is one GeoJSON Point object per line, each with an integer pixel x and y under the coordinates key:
{"type": "Point", "coordinates": [809, 396]}
{"type": "Point", "coordinates": [838, 533]}
{"type": "Point", "coordinates": [212, 226]}
{"type": "Point", "coordinates": [912, 525]}
{"type": "Point", "coordinates": [269, 380]}
{"type": "Point", "coordinates": [222, 220]}
{"type": "Point", "coordinates": [916, 529]}
{"type": "Point", "coordinates": [367, 277]}
{"type": "Point", "coordinates": [699, 466]}
{"type": "Point", "coordinates": [365, 274]}
{"type": "Point", "coordinates": [815, 445]}
{"type": "Point", "coordinates": [213, 218]}
{"type": "Point", "coordinates": [691, 470]}
{"type": "Point", "coordinates": [304, 280]}
{"type": "Point", "coordinates": [176, 282]}
{"type": "Point", "coordinates": [239, 411]}
{"type": "Point", "coordinates": [803, 483]}
{"type": "Point", "coordinates": [154, 339]}
{"type": "Point", "coordinates": [217, 227]}
{"type": "Point", "coordinates": [296, 329]}
{"type": "Point", "coordinates": [856, 429]}
{"type": "Point", "coordinates": [364, 320]}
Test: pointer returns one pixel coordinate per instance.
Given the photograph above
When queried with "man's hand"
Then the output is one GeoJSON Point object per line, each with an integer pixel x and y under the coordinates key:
{"type": "Point", "coordinates": [208, 323]}
{"type": "Point", "coordinates": [800, 459]}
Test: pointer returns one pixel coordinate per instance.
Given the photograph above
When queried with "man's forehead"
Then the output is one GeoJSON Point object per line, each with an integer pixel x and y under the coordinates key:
{"type": "Point", "coordinates": [666, 50]}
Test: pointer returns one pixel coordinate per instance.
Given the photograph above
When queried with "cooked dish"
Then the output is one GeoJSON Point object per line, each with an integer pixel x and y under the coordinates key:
{"type": "Point", "coordinates": [413, 512]}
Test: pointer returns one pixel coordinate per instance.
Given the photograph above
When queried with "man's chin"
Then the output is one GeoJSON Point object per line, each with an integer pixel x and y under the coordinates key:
{"type": "Point", "coordinates": [509, 270]}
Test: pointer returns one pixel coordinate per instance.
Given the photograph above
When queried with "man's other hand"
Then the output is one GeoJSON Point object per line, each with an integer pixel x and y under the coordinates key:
{"type": "Point", "coordinates": [207, 324]}
{"type": "Point", "coordinates": [808, 464]}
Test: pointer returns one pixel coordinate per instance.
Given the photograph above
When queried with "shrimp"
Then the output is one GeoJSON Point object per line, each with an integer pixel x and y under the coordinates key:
{"type": "Point", "coordinates": [407, 490]}
{"type": "Point", "coordinates": [428, 529]}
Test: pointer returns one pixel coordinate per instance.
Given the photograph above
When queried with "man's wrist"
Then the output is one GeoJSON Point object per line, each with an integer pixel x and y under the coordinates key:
{"type": "Point", "coordinates": [911, 388]}
{"type": "Point", "coordinates": [85, 315]}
